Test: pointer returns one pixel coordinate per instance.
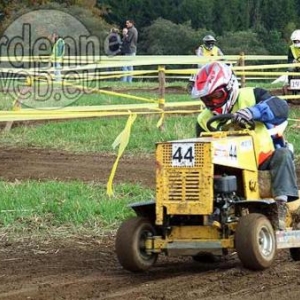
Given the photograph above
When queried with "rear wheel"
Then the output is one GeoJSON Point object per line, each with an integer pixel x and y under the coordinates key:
{"type": "Point", "coordinates": [255, 242]}
{"type": "Point", "coordinates": [130, 244]}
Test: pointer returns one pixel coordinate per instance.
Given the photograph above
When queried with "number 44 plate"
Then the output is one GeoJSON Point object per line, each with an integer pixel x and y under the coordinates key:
{"type": "Point", "coordinates": [295, 84]}
{"type": "Point", "coordinates": [183, 155]}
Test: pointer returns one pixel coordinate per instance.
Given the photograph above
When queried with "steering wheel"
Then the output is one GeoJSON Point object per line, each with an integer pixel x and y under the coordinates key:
{"type": "Point", "coordinates": [223, 119]}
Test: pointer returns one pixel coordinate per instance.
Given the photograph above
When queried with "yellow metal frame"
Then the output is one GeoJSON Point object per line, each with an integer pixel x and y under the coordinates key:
{"type": "Point", "coordinates": [188, 190]}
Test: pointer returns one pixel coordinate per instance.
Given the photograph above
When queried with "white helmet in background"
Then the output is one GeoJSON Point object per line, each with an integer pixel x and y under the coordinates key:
{"type": "Point", "coordinates": [295, 38]}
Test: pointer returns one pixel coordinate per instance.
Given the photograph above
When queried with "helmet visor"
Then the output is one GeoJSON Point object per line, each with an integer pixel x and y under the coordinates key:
{"type": "Point", "coordinates": [209, 45]}
{"type": "Point", "coordinates": [216, 99]}
{"type": "Point", "coordinates": [296, 43]}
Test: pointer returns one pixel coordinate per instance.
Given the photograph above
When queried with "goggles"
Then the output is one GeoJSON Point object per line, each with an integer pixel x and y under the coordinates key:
{"type": "Point", "coordinates": [216, 99]}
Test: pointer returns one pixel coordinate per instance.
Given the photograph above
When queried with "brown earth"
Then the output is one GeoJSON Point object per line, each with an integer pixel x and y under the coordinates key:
{"type": "Point", "coordinates": [86, 267]}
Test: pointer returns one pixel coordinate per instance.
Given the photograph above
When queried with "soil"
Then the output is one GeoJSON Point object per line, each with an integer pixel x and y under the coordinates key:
{"type": "Point", "coordinates": [86, 267]}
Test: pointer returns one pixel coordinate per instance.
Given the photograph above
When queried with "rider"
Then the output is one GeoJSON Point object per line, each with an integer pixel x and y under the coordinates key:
{"type": "Point", "coordinates": [294, 50]}
{"type": "Point", "coordinates": [217, 86]}
{"type": "Point", "coordinates": [208, 48]}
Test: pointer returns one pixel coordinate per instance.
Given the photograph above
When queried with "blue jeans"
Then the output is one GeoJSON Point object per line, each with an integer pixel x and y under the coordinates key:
{"type": "Point", "coordinates": [283, 173]}
{"type": "Point", "coordinates": [127, 69]}
{"type": "Point", "coordinates": [57, 72]}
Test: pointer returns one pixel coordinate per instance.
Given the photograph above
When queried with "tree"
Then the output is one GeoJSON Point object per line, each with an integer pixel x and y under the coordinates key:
{"type": "Point", "coordinates": [233, 43]}
{"type": "Point", "coordinates": [164, 37]}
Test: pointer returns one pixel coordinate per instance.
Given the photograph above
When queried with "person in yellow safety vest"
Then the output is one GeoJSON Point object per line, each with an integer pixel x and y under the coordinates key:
{"type": "Point", "coordinates": [217, 86]}
{"type": "Point", "coordinates": [57, 55]}
{"type": "Point", "coordinates": [208, 48]}
{"type": "Point", "coordinates": [294, 49]}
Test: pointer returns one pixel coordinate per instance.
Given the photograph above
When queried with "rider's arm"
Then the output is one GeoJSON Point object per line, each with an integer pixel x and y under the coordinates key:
{"type": "Point", "coordinates": [268, 108]}
{"type": "Point", "coordinates": [199, 129]}
{"type": "Point", "coordinates": [220, 53]}
{"type": "Point", "coordinates": [290, 56]}
{"type": "Point", "coordinates": [199, 51]}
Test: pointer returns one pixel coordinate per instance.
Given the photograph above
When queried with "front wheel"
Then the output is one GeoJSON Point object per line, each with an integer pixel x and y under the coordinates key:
{"type": "Point", "coordinates": [130, 244]}
{"type": "Point", "coordinates": [255, 242]}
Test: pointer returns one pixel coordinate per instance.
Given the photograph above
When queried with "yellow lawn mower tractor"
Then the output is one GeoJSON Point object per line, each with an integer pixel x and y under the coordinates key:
{"type": "Point", "coordinates": [208, 199]}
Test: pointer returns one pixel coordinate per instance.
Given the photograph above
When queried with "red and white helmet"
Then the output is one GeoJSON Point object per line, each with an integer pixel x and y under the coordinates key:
{"type": "Point", "coordinates": [217, 87]}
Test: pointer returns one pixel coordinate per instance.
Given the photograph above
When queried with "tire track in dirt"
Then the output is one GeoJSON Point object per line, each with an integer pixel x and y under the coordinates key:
{"type": "Point", "coordinates": [41, 164]}
{"type": "Point", "coordinates": [90, 271]}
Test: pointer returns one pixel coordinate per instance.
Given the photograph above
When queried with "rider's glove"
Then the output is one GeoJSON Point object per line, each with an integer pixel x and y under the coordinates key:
{"type": "Point", "coordinates": [243, 117]}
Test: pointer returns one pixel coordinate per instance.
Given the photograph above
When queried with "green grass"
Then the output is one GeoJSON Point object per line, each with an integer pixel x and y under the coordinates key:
{"type": "Point", "coordinates": [97, 135]}
{"type": "Point", "coordinates": [41, 205]}
{"type": "Point", "coordinates": [292, 131]}
{"type": "Point", "coordinates": [42, 95]}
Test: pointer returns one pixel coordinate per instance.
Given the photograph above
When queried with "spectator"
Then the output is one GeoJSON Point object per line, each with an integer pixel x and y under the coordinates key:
{"type": "Point", "coordinates": [130, 39]}
{"type": "Point", "coordinates": [125, 48]}
{"type": "Point", "coordinates": [112, 43]}
{"type": "Point", "coordinates": [58, 52]}
{"type": "Point", "coordinates": [217, 86]}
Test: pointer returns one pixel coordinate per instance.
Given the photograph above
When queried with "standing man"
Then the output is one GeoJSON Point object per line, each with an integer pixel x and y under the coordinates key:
{"type": "Point", "coordinates": [58, 52]}
{"type": "Point", "coordinates": [131, 39]}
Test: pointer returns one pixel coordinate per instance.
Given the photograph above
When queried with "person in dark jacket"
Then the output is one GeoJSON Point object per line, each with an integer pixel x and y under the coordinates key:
{"type": "Point", "coordinates": [131, 39]}
{"type": "Point", "coordinates": [125, 48]}
{"type": "Point", "coordinates": [112, 43]}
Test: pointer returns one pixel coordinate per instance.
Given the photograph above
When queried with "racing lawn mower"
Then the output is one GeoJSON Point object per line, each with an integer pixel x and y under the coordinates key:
{"type": "Point", "coordinates": [208, 200]}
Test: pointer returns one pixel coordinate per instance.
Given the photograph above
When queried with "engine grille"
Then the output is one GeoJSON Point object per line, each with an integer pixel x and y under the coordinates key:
{"type": "Point", "coordinates": [183, 184]}
{"type": "Point", "coordinates": [184, 189]}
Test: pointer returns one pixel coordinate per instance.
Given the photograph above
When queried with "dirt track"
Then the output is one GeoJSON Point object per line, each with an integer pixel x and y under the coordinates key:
{"type": "Point", "coordinates": [86, 267]}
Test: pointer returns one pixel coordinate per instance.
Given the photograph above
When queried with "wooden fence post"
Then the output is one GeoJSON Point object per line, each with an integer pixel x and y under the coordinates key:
{"type": "Point", "coordinates": [8, 125]}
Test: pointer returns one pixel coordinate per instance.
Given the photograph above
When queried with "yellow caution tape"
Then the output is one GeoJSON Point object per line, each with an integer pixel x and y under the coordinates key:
{"type": "Point", "coordinates": [28, 81]}
{"type": "Point", "coordinates": [121, 141]}
{"type": "Point", "coordinates": [160, 121]}
{"type": "Point", "coordinates": [161, 101]}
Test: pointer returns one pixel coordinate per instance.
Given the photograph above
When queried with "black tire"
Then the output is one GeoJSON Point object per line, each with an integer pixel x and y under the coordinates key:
{"type": "Point", "coordinates": [130, 244]}
{"type": "Point", "coordinates": [295, 253]}
{"type": "Point", "coordinates": [255, 242]}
